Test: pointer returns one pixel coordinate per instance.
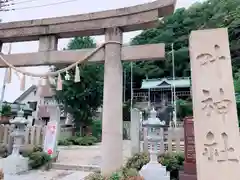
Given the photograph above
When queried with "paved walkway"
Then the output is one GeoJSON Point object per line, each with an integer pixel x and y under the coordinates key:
{"type": "Point", "coordinates": [49, 175]}
{"type": "Point", "coordinates": [70, 156]}
{"type": "Point", "coordinates": [88, 155]}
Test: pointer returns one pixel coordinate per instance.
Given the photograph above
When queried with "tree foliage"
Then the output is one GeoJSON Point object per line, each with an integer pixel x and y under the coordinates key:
{"type": "Point", "coordinates": [84, 98]}
{"type": "Point", "coordinates": [176, 29]}
{"type": "Point", "coordinates": [184, 109]}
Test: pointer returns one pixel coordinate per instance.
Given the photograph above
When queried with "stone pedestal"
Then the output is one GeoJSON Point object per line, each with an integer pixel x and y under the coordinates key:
{"type": "Point", "coordinates": [185, 176]}
{"type": "Point", "coordinates": [189, 172]}
{"type": "Point", "coordinates": [154, 171]}
{"type": "Point", "coordinates": [15, 164]}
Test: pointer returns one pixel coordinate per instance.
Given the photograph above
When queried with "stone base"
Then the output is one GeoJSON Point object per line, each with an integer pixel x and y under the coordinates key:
{"type": "Point", "coordinates": [154, 171]}
{"type": "Point", "coordinates": [184, 176]}
{"type": "Point", "coordinates": [15, 164]}
{"type": "Point", "coordinates": [190, 168]}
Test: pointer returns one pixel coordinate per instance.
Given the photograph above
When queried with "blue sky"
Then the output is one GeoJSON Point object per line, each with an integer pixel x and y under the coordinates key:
{"type": "Point", "coordinates": [75, 7]}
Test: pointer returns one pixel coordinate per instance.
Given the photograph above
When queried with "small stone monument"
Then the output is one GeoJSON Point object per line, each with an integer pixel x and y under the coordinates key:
{"type": "Point", "coordinates": [189, 172]}
{"type": "Point", "coordinates": [154, 170]}
{"type": "Point", "coordinates": [135, 131]}
{"type": "Point", "coordinates": [16, 163]}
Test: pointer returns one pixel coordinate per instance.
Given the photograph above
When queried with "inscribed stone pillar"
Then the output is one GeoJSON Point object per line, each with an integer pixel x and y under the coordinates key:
{"type": "Point", "coordinates": [135, 131]}
{"type": "Point", "coordinates": [112, 124]}
{"type": "Point", "coordinates": [189, 172]}
{"type": "Point", "coordinates": [214, 106]}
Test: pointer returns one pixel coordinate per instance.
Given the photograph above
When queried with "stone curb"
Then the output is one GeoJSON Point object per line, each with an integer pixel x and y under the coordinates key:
{"type": "Point", "coordinates": [78, 147]}
{"type": "Point", "coordinates": [85, 168]}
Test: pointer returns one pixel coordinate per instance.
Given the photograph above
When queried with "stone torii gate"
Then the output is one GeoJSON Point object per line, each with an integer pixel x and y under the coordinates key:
{"type": "Point", "coordinates": [112, 23]}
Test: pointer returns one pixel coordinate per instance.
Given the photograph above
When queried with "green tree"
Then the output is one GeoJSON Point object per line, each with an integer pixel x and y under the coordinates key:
{"type": "Point", "coordinates": [184, 108]}
{"type": "Point", "coordinates": [84, 98]}
{"type": "Point", "coordinates": [176, 29]}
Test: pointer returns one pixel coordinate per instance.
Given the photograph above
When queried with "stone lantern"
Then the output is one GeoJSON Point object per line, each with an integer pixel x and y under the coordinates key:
{"type": "Point", "coordinates": [155, 134]}
{"type": "Point", "coordinates": [16, 163]}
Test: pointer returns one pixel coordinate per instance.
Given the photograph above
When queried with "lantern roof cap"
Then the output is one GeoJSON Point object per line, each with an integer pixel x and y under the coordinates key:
{"type": "Point", "coordinates": [153, 120]}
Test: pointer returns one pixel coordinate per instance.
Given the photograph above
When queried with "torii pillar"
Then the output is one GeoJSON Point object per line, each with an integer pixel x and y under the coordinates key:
{"type": "Point", "coordinates": [112, 104]}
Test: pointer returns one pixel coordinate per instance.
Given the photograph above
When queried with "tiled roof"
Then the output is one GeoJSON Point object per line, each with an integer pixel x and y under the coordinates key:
{"type": "Point", "coordinates": [165, 83]}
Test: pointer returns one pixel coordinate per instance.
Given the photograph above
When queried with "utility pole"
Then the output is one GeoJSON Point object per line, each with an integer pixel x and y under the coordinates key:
{"type": "Point", "coordinates": [174, 89]}
{"type": "Point", "coordinates": [4, 81]}
{"type": "Point", "coordinates": [131, 86]}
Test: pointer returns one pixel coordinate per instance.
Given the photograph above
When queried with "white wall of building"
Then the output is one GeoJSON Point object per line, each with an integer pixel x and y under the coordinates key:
{"type": "Point", "coordinates": [34, 97]}
{"type": "Point", "coordinates": [31, 97]}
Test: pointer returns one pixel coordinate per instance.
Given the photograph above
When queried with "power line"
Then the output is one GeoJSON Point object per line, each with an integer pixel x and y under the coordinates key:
{"type": "Point", "coordinates": [40, 6]}
{"type": "Point", "coordinates": [4, 4]}
{"type": "Point", "coordinates": [26, 1]}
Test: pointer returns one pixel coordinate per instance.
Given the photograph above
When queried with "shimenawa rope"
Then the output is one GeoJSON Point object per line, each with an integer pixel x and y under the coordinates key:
{"type": "Point", "coordinates": [61, 70]}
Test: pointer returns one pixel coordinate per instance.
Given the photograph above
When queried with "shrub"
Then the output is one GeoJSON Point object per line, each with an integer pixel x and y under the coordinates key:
{"type": "Point", "coordinates": [76, 140]}
{"type": "Point", "coordinates": [97, 129]}
{"type": "Point", "coordinates": [180, 158]}
{"type": "Point", "coordinates": [72, 140]}
{"type": "Point", "coordinates": [172, 161]}
{"type": "Point", "coordinates": [65, 142]}
{"type": "Point", "coordinates": [122, 174]}
{"type": "Point", "coordinates": [90, 139]}
{"type": "Point", "coordinates": [87, 140]}
{"type": "Point", "coordinates": [25, 151]}
{"type": "Point", "coordinates": [129, 173]}
{"type": "Point", "coordinates": [94, 176]}
{"type": "Point", "coordinates": [37, 148]}
{"type": "Point", "coordinates": [138, 161]}
{"type": "Point", "coordinates": [6, 110]}
{"type": "Point", "coordinates": [38, 159]}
